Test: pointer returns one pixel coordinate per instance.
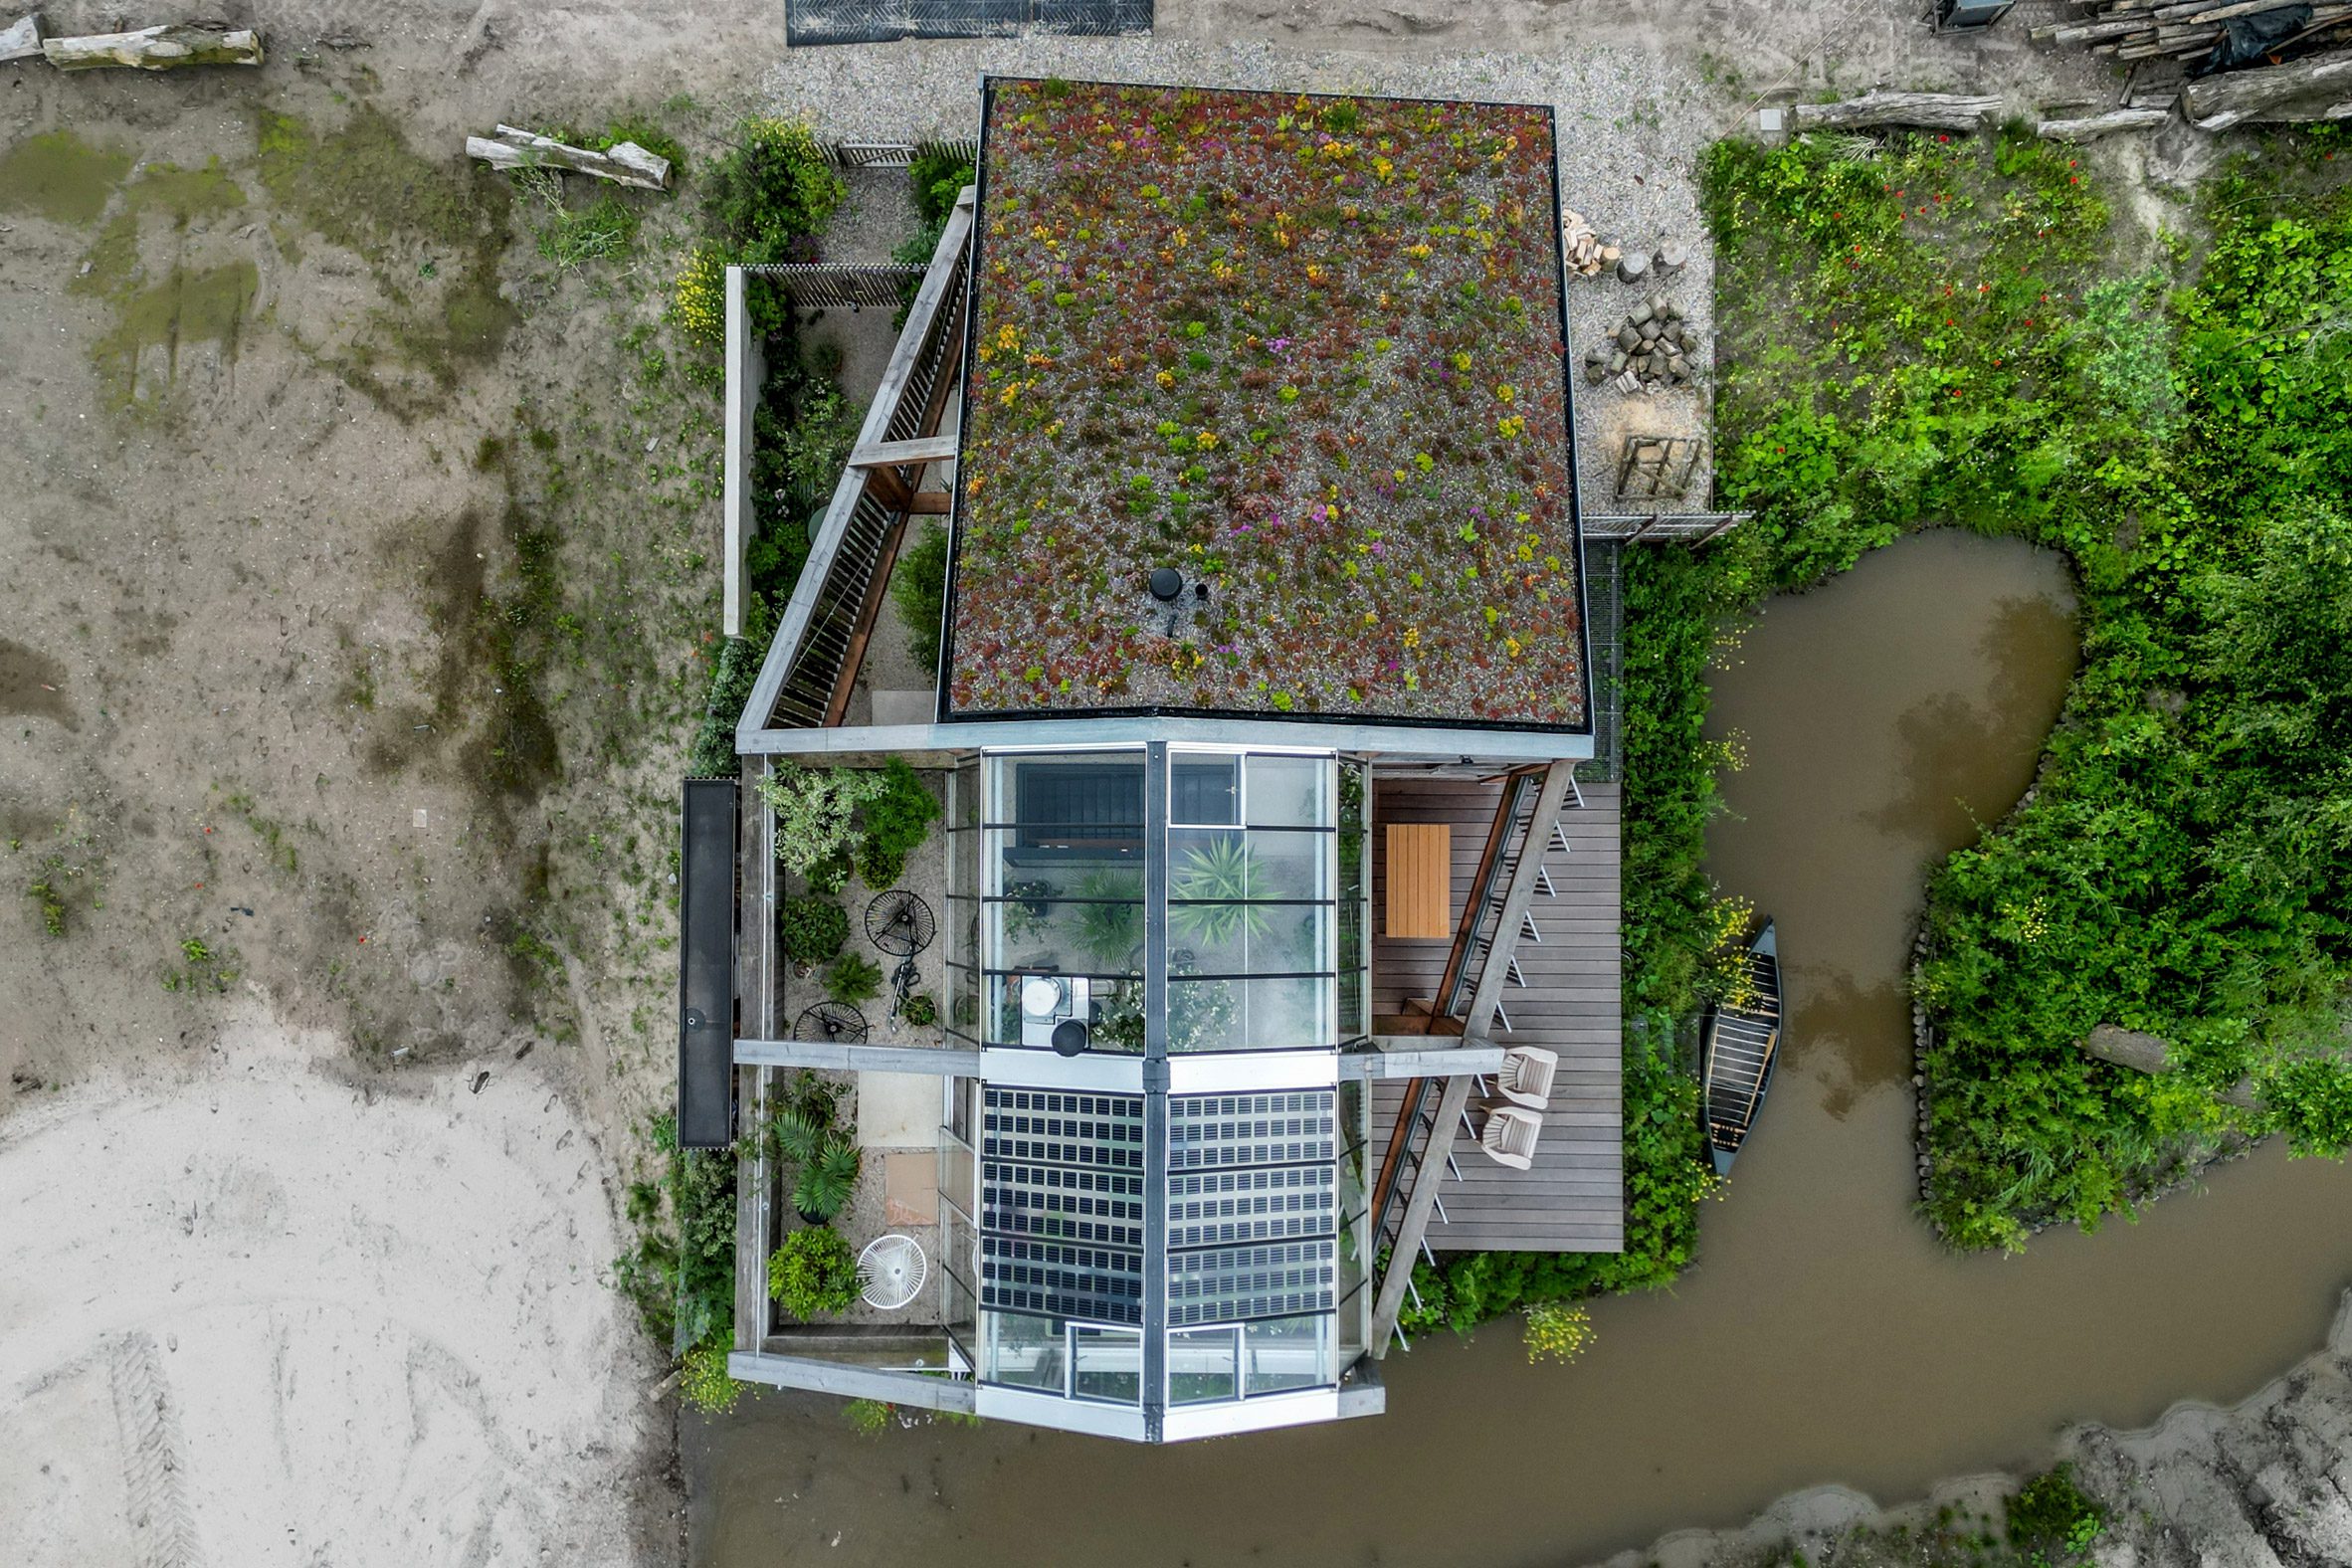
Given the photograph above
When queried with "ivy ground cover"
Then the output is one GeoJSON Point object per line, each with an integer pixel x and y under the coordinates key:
{"type": "Point", "coordinates": [1306, 350]}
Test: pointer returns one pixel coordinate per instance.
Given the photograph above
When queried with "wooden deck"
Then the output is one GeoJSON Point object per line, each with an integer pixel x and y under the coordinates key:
{"type": "Point", "coordinates": [1573, 1200]}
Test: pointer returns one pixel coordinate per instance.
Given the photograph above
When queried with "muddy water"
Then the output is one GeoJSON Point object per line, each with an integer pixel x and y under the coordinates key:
{"type": "Point", "coordinates": [1825, 1337]}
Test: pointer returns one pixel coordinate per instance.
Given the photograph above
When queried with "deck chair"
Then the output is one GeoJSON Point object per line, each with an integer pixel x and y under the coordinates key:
{"type": "Point", "coordinates": [1525, 1076]}
{"type": "Point", "coordinates": [1509, 1137]}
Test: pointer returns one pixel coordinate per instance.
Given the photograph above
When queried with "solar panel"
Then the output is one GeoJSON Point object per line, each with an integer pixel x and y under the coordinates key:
{"type": "Point", "coordinates": [1061, 1202]}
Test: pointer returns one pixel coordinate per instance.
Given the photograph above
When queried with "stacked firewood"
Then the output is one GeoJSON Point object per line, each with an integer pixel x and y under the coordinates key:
{"type": "Point", "coordinates": [1581, 248]}
{"type": "Point", "coordinates": [2147, 30]}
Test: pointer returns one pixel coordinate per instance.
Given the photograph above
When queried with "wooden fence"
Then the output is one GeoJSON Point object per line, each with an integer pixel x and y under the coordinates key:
{"type": "Point", "coordinates": [814, 285]}
{"type": "Point", "coordinates": [900, 154]}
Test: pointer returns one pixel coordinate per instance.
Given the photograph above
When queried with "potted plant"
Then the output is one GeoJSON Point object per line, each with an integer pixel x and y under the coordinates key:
{"type": "Point", "coordinates": [811, 931]}
{"type": "Point", "coordinates": [921, 1010]}
{"type": "Point", "coordinates": [827, 1178]}
{"type": "Point", "coordinates": [814, 1272]}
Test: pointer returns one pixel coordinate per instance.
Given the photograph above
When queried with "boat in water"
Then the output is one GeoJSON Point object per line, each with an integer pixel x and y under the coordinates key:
{"type": "Point", "coordinates": [1740, 1043]}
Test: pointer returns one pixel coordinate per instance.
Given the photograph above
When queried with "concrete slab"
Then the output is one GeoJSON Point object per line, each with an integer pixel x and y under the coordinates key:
{"type": "Point", "coordinates": [897, 1110]}
{"type": "Point", "coordinates": [910, 1188]}
{"type": "Point", "coordinates": [904, 707]}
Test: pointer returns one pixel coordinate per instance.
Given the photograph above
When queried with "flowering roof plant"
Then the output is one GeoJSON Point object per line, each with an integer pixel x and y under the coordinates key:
{"type": "Point", "coordinates": [1306, 350]}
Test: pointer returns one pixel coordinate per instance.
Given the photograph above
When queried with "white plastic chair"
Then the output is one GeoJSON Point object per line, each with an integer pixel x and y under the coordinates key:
{"type": "Point", "coordinates": [1525, 1076]}
{"type": "Point", "coordinates": [1509, 1137]}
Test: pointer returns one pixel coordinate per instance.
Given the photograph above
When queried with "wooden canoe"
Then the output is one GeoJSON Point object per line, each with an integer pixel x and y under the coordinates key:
{"type": "Point", "coordinates": [1738, 1049]}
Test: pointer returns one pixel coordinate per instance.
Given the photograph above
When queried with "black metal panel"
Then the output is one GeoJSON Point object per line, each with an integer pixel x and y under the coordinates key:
{"type": "Point", "coordinates": [707, 965]}
{"type": "Point", "coordinates": [809, 22]}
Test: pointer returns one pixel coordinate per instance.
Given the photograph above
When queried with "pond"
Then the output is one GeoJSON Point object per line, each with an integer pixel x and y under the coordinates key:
{"type": "Point", "coordinates": [1823, 1336]}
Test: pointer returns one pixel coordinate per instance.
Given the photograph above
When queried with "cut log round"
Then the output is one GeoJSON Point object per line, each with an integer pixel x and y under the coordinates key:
{"type": "Point", "coordinates": [2098, 125]}
{"type": "Point", "coordinates": [1935, 111]}
{"type": "Point", "coordinates": [155, 49]}
{"type": "Point", "coordinates": [2219, 103]}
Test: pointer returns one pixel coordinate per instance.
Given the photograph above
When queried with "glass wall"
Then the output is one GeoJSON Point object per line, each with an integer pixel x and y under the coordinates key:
{"type": "Point", "coordinates": [1355, 1224]}
{"type": "Point", "coordinates": [1061, 872]}
{"type": "Point", "coordinates": [963, 904]}
{"type": "Point", "coordinates": [1252, 944]}
{"type": "Point", "coordinates": [1355, 899]}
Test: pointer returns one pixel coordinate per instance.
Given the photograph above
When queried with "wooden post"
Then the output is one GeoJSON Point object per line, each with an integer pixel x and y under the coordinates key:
{"type": "Point", "coordinates": [2220, 101]}
{"type": "Point", "coordinates": [155, 49]}
{"type": "Point", "coordinates": [1935, 111]}
{"type": "Point", "coordinates": [623, 163]}
{"type": "Point", "coordinates": [2097, 125]}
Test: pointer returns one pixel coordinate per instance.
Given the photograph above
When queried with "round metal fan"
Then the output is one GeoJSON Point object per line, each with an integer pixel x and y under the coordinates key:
{"type": "Point", "coordinates": [835, 1022]}
{"type": "Point", "coordinates": [900, 923]}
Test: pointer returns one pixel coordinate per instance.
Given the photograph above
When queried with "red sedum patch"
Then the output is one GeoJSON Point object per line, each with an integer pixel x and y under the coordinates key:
{"type": "Point", "coordinates": [1305, 351]}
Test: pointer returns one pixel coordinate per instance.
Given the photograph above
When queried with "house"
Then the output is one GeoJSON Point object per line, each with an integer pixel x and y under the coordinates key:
{"type": "Point", "coordinates": [1265, 679]}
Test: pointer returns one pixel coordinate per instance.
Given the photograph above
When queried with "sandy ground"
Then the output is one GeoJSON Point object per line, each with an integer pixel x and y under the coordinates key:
{"type": "Point", "coordinates": [260, 1311]}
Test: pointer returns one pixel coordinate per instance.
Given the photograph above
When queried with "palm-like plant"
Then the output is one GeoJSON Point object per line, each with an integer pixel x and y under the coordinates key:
{"type": "Point", "coordinates": [1221, 873]}
{"type": "Point", "coordinates": [827, 1178]}
{"type": "Point", "coordinates": [801, 1131]}
{"type": "Point", "coordinates": [1111, 927]}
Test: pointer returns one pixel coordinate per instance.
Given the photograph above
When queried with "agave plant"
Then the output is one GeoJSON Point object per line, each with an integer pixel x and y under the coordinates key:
{"type": "Point", "coordinates": [827, 1179]}
{"type": "Point", "coordinates": [1221, 872]}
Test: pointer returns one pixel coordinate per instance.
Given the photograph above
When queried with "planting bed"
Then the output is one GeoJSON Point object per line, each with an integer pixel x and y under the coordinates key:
{"type": "Point", "coordinates": [1306, 350]}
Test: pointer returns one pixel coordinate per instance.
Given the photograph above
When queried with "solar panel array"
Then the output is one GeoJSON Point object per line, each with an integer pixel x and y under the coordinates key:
{"type": "Point", "coordinates": [1253, 1208]}
{"type": "Point", "coordinates": [1061, 1202]}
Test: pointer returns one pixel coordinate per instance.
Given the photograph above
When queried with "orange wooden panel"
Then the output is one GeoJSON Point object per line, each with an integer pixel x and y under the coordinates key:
{"type": "Point", "coordinates": [1421, 880]}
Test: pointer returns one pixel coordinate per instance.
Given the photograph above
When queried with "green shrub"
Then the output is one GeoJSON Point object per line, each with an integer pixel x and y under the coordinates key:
{"type": "Point", "coordinates": [921, 1010]}
{"type": "Point", "coordinates": [772, 192]}
{"type": "Point", "coordinates": [816, 816]}
{"type": "Point", "coordinates": [852, 980]}
{"type": "Point", "coordinates": [937, 177]}
{"type": "Point", "coordinates": [2053, 1518]}
{"type": "Point", "coordinates": [814, 1272]}
{"type": "Point", "coordinates": [811, 931]}
{"type": "Point", "coordinates": [919, 588]}
{"type": "Point", "coordinates": [706, 1384]}
{"type": "Point", "coordinates": [683, 1278]}
{"type": "Point", "coordinates": [897, 819]}
{"type": "Point", "coordinates": [699, 299]}
{"type": "Point", "coordinates": [867, 1418]}
{"type": "Point", "coordinates": [801, 1134]}
{"type": "Point", "coordinates": [828, 1178]}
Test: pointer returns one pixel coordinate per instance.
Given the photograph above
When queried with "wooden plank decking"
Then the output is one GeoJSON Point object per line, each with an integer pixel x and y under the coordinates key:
{"type": "Point", "coordinates": [1573, 1200]}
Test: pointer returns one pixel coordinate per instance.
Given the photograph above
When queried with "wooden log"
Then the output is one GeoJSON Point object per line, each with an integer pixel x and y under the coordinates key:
{"type": "Point", "coordinates": [2219, 103]}
{"type": "Point", "coordinates": [2095, 31]}
{"type": "Point", "coordinates": [2097, 125]}
{"type": "Point", "coordinates": [155, 49]}
{"type": "Point", "coordinates": [2223, 13]}
{"type": "Point", "coordinates": [22, 40]}
{"type": "Point", "coordinates": [624, 164]}
{"type": "Point", "coordinates": [2128, 1047]}
{"type": "Point", "coordinates": [1935, 110]}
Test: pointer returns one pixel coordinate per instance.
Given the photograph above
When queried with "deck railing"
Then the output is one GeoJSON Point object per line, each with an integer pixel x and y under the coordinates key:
{"type": "Point", "coordinates": [812, 664]}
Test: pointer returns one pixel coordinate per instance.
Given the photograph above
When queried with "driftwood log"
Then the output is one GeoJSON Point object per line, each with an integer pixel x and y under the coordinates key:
{"type": "Point", "coordinates": [2128, 1047]}
{"type": "Point", "coordinates": [21, 40]}
{"type": "Point", "coordinates": [1935, 110]}
{"type": "Point", "coordinates": [2317, 87]}
{"type": "Point", "coordinates": [155, 49]}
{"type": "Point", "coordinates": [2097, 125]}
{"type": "Point", "coordinates": [623, 163]}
